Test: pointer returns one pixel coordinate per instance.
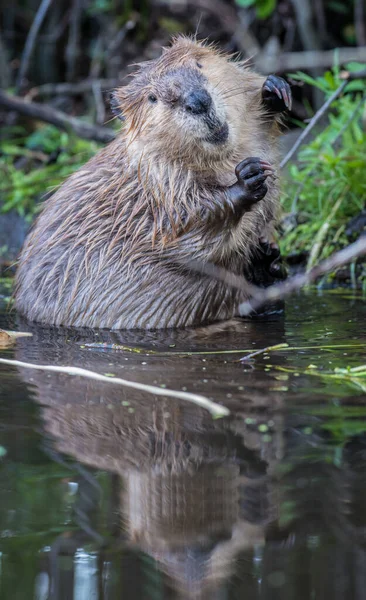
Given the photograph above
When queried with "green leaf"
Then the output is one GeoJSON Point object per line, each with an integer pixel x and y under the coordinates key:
{"type": "Point", "coordinates": [300, 76]}
{"type": "Point", "coordinates": [355, 86]}
{"type": "Point", "coordinates": [354, 66]}
{"type": "Point", "coordinates": [265, 8]}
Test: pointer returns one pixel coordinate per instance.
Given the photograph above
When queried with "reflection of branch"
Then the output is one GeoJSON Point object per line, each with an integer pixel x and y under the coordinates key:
{"type": "Point", "coordinates": [31, 40]}
{"type": "Point", "coordinates": [57, 118]}
{"type": "Point", "coordinates": [216, 409]}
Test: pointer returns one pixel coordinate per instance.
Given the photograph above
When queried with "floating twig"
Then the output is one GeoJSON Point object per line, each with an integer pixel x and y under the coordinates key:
{"type": "Point", "coordinates": [262, 351]}
{"type": "Point", "coordinates": [279, 348]}
{"type": "Point", "coordinates": [215, 409]}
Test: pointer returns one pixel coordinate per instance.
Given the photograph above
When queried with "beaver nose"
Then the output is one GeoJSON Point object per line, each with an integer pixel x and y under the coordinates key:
{"type": "Point", "coordinates": [198, 102]}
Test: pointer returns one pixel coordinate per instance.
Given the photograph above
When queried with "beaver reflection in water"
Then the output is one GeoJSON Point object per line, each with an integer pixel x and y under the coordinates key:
{"type": "Point", "coordinates": [189, 177]}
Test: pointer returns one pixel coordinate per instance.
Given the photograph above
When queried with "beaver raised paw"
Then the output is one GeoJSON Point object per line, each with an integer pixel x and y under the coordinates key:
{"type": "Point", "coordinates": [251, 185]}
{"type": "Point", "coordinates": [276, 94]}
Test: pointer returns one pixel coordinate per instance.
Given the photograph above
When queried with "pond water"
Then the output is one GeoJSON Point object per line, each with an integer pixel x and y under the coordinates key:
{"type": "Point", "coordinates": [108, 492]}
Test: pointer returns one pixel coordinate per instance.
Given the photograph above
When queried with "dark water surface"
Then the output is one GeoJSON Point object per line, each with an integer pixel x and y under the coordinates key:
{"type": "Point", "coordinates": [111, 493]}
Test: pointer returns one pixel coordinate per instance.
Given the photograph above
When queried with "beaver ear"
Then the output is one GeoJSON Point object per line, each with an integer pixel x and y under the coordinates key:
{"type": "Point", "coordinates": [116, 106]}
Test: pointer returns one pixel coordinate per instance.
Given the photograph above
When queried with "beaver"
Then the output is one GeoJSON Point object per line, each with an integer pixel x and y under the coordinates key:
{"type": "Point", "coordinates": [189, 177]}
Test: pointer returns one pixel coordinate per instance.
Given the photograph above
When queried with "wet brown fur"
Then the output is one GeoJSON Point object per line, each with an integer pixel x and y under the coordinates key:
{"type": "Point", "coordinates": [108, 248]}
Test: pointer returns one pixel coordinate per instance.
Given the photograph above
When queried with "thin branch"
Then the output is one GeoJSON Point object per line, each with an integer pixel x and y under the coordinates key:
{"type": "Point", "coordinates": [119, 38]}
{"type": "Point", "coordinates": [318, 115]}
{"type": "Point", "coordinates": [259, 296]}
{"type": "Point", "coordinates": [299, 61]}
{"type": "Point", "coordinates": [72, 53]}
{"type": "Point", "coordinates": [360, 25]}
{"type": "Point", "coordinates": [215, 409]}
{"type": "Point", "coordinates": [244, 36]}
{"type": "Point", "coordinates": [304, 19]}
{"type": "Point", "coordinates": [30, 42]}
{"type": "Point", "coordinates": [4, 65]}
{"type": "Point", "coordinates": [57, 118]}
{"type": "Point", "coordinates": [319, 13]}
{"type": "Point", "coordinates": [282, 290]}
{"type": "Point", "coordinates": [99, 104]}
{"type": "Point", "coordinates": [57, 32]}
{"type": "Point", "coordinates": [70, 89]}
{"type": "Point", "coordinates": [221, 274]}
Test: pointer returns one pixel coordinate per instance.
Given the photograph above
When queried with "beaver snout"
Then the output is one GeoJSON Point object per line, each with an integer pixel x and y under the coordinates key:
{"type": "Point", "coordinates": [198, 102]}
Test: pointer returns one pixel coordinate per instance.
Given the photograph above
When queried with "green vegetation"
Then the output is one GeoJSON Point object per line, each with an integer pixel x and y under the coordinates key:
{"type": "Point", "coordinates": [327, 183]}
{"type": "Point", "coordinates": [264, 8]}
{"type": "Point", "coordinates": [33, 165]}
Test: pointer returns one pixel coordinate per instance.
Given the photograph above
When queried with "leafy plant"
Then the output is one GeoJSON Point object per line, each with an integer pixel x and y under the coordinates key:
{"type": "Point", "coordinates": [35, 165]}
{"type": "Point", "coordinates": [327, 183]}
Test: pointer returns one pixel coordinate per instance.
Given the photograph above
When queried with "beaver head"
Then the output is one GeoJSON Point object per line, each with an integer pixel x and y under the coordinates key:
{"type": "Point", "coordinates": [187, 103]}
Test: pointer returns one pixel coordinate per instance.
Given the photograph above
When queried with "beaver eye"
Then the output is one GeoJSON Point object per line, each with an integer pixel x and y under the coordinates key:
{"type": "Point", "coordinates": [199, 65]}
{"type": "Point", "coordinates": [152, 98]}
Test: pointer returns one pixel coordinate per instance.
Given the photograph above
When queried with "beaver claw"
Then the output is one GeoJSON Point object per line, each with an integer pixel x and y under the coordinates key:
{"type": "Point", "coordinates": [252, 174]}
{"type": "Point", "coordinates": [276, 94]}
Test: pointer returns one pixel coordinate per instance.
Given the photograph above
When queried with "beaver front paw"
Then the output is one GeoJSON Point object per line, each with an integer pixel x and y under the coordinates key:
{"type": "Point", "coordinates": [252, 174]}
{"type": "Point", "coordinates": [276, 94]}
{"type": "Point", "coordinates": [266, 267]}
